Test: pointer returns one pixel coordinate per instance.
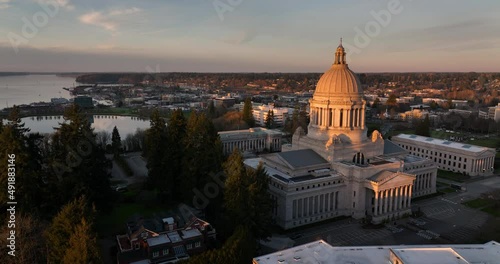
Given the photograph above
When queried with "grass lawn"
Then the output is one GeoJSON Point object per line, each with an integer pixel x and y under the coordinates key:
{"type": "Point", "coordinates": [453, 176]}
{"type": "Point", "coordinates": [490, 142]}
{"type": "Point", "coordinates": [397, 132]}
{"type": "Point", "coordinates": [492, 211]}
{"type": "Point", "coordinates": [442, 134]}
{"type": "Point", "coordinates": [447, 190]}
{"type": "Point", "coordinates": [478, 203]}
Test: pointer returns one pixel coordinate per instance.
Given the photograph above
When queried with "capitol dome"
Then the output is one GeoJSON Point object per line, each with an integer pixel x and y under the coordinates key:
{"type": "Point", "coordinates": [337, 107]}
{"type": "Point", "coordinates": [339, 80]}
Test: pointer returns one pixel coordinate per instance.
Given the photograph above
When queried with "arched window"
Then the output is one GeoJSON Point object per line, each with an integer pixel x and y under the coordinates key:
{"type": "Point", "coordinates": [359, 158]}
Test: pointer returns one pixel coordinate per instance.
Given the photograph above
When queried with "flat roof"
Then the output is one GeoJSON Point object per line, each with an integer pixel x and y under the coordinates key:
{"type": "Point", "coordinates": [302, 158]}
{"type": "Point", "coordinates": [445, 143]}
{"type": "Point", "coordinates": [429, 255]}
{"type": "Point", "coordinates": [321, 252]}
{"type": "Point", "coordinates": [254, 163]}
{"type": "Point", "coordinates": [158, 240]}
{"type": "Point", "coordinates": [190, 233]}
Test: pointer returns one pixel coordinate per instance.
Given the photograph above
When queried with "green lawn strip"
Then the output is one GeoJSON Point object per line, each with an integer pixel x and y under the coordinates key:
{"type": "Point", "coordinates": [492, 211]}
{"type": "Point", "coordinates": [453, 176]}
{"type": "Point", "coordinates": [479, 203]}
{"type": "Point", "coordinates": [447, 190]}
{"type": "Point", "coordinates": [485, 142]}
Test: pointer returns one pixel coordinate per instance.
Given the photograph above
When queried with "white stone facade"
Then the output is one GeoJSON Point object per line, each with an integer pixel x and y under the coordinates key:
{"type": "Point", "coordinates": [251, 140]}
{"type": "Point", "coordinates": [452, 156]}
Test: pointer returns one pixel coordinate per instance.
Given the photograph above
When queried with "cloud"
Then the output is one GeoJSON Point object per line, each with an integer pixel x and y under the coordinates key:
{"type": "Point", "coordinates": [241, 37]}
{"type": "Point", "coordinates": [129, 11]}
{"type": "Point", "coordinates": [62, 3]}
{"type": "Point", "coordinates": [109, 21]}
{"type": "Point", "coordinates": [4, 4]}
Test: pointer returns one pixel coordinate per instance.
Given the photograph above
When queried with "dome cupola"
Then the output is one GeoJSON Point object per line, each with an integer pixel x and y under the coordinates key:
{"type": "Point", "coordinates": [339, 81]}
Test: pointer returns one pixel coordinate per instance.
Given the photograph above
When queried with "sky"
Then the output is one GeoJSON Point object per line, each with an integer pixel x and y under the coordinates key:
{"type": "Point", "coordinates": [248, 35]}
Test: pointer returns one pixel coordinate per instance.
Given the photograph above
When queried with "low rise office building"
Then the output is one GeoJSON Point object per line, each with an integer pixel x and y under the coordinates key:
{"type": "Point", "coordinates": [448, 155]}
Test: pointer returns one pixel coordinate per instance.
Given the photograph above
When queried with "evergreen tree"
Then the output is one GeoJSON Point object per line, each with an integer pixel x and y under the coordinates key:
{"type": "Point", "coordinates": [203, 153]}
{"type": "Point", "coordinates": [239, 248]}
{"type": "Point", "coordinates": [154, 149]}
{"type": "Point", "coordinates": [246, 196]}
{"type": "Point", "coordinates": [260, 203]}
{"type": "Point", "coordinates": [211, 111]}
{"type": "Point", "coordinates": [116, 142]}
{"type": "Point", "coordinates": [269, 122]}
{"type": "Point", "coordinates": [423, 127]}
{"type": "Point", "coordinates": [63, 225]}
{"type": "Point", "coordinates": [247, 113]}
{"type": "Point", "coordinates": [82, 246]}
{"type": "Point", "coordinates": [176, 133]}
{"type": "Point", "coordinates": [79, 164]}
{"type": "Point", "coordinates": [392, 101]}
{"type": "Point", "coordinates": [235, 186]}
{"type": "Point", "coordinates": [26, 165]}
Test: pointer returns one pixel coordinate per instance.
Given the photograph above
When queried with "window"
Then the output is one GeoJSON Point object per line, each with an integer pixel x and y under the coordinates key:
{"type": "Point", "coordinates": [189, 246]}
{"type": "Point", "coordinates": [354, 193]}
{"type": "Point", "coordinates": [136, 245]}
{"type": "Point", "coordinates": [354, 205]}
{"type": "Point", "coordinates": [165, 252]}
{"type": "Point", "coordinates": [156, 254]}
{"type": "Point", "coordinates": [197, 244]}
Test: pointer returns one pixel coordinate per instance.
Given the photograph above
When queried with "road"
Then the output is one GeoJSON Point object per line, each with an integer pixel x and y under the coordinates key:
{"type": "Point", "coordinates": [136, 163]}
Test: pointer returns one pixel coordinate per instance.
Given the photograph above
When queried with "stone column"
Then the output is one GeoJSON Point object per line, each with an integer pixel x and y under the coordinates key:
{"type": "Point", "coordinates": [386, 194]}
{"type": "Point", "coordinates": [404, 192]}
{"type": "Point", "coordinates": [391, 200]}
{"type": "Point", "coordinates": [409, 197]}
{"type": "Point", "coordinates": [363, 117]}
{"type": "Point", "coordinates": [348, 112]}
{"type": "Point", "coordinates": [397, 198]}
{"type": "Point", "coordinates": [306, 204]}
{"type": "Point", "coordinates": [375, 211]}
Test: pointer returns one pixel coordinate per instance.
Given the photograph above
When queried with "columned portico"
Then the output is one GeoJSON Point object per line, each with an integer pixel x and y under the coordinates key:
{"type": "Point", "coordinates": [391, 195]}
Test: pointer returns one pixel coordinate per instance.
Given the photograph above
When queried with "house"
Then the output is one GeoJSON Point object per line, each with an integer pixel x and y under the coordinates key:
{"type": "Point", "coordinates": [163, 239]}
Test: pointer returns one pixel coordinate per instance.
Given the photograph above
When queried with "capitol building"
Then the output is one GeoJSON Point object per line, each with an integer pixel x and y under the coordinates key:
{"type": "Point", "coordinates": [336, 169]}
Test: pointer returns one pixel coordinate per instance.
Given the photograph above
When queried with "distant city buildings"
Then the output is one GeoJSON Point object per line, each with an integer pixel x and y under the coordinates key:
{"type": "Point", "coordinates": [322, 252]}
{"type": "Point", "coordinates": [451, 156]}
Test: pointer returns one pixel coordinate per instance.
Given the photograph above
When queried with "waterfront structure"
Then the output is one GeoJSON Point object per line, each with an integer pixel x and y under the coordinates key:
{"type": "Point", "coordinates": [253, 140]}
{"type": "Point", "coordinates": [448, 155]}
{"type": "Point", "coordinates": [321, 252]}
{"type": "Point", "coordinates": [336, 169]}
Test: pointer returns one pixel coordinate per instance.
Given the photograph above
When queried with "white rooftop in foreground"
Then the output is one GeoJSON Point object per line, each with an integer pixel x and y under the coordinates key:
{"type": "Point", "coordinates": [322, 252]}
